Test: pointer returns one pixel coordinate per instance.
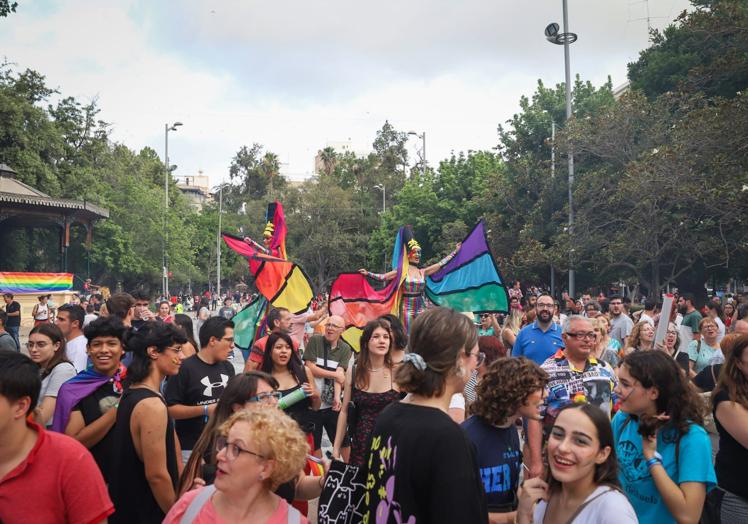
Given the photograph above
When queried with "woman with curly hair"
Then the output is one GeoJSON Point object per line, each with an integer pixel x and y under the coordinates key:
{"type": "Point", "coordinates": [663, 450]}
{"type": "Point", "coordinates": [641, 338]}
{"type": "Point", "coordinates": [730, 399]}
{"type": "Point", "coordinates": [259, 448]}
{"type": "Point", "coordinates": [512, 388]}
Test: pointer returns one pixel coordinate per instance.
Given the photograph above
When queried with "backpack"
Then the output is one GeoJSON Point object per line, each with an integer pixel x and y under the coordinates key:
{"type": "Point", "coordinates": [294, 516]}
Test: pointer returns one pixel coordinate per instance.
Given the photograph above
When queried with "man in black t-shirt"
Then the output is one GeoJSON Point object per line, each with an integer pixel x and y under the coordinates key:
{"type": "Point", "coordinates": [93, 415]}
{"type": "Point", "coordinates": [13, 324]}
{"type": "Point", "coordinates": [193, 393]}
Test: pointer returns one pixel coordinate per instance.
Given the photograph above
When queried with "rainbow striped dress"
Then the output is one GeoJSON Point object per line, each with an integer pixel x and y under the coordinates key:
{"type": "Point", "coordinates": [413, 300]}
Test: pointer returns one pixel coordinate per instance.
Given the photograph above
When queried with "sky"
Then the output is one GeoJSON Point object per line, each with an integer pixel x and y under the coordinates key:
{"type": "Point", "coordinates": [297, 75]}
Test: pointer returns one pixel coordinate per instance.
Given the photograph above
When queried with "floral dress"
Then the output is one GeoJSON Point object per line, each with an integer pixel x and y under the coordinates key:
{"type": "Point", "coordinates": [368, 407]}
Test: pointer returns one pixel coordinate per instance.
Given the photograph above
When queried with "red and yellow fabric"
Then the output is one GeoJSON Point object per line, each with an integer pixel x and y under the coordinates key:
{"type": "Point", "coordinates": [354, 299]}
{"type": "Point", "coordinates": [281, 282]}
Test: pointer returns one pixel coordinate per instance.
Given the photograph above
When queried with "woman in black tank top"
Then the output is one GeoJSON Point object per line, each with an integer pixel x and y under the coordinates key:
{"type": "Point", "coordinates": [144, 432]}
{"type": "Point", "coordinates": [284, 364]}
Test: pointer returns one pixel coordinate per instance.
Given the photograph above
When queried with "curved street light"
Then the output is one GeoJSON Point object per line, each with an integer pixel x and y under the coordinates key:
{"type": "Point", "coordinates": [169, 169]}
{"type": "Point", "coordinates": [565, 39]}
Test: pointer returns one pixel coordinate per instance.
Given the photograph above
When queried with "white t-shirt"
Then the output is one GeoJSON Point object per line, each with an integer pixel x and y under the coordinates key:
{"type": "Point", "coordinates": [60, 374]}
{"type": "Point", "coordinates": [90, 317]}
{"type": "Point", "coordinates": [646, 318]}
{"type": "Point", "coordinates": [610, 508]}
{"type": "Point", "coordinates": [76, 352]}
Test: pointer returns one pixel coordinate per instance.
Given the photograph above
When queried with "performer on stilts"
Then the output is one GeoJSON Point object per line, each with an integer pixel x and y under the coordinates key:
{"type": "Point", "coordinates": [413, 288]}
{"type": "Point", "coordinates": [274, 235]}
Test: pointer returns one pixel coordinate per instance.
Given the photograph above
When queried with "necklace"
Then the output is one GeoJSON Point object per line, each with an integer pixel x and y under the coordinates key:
{"type": "Point", "coordinates": [144, 386]}
{"type": "Point", "coordinates": [376, 370]}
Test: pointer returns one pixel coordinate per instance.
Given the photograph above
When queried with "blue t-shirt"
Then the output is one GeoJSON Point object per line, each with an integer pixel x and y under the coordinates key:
{"type": "Point", "coordinates": [536, 345]}
{"type": "Point", "coordinates": [694, 465]}
{"type": "Point", "coordinates": [499, 460]}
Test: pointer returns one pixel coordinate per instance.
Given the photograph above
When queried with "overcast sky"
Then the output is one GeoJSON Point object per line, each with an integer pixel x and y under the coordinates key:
{"type": "Point", "coordinates": [297, 75]}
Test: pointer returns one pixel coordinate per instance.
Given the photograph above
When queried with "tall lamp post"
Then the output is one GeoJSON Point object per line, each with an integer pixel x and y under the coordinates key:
{"type": "Point", "coordinates": [164, 238]}
{"type": "Point", "coordinates": [218, 241]}
{"type": "Point", "coordinates": [422, 136]}
{"type": "Point", "coordinates": [566, 39]}
{"type": "Point", "coordinates": [384, 210]}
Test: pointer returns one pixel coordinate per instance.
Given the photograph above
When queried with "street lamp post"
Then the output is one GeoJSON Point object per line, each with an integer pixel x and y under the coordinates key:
{"type": "Point", "coordinates": [165, 238]}
{"type": "Point", "coordinates": [422, 136]}
{"type": "Point", "coordinates": [566, 39]}
{"type": "Point", "coordinates": [218, 241]}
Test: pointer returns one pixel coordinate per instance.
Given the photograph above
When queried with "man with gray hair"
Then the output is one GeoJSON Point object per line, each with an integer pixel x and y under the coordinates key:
{"type": "Point", "coordinates": [574, 376]}
{"type": "Point", "coordinates": [327, 357]}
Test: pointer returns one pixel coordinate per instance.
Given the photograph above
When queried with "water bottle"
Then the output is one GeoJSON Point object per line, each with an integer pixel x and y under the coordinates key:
{"type": "Point", "coordinates": [292, 398]}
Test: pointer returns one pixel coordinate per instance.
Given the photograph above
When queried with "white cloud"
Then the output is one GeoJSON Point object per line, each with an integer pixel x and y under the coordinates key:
{"type": "Point", "coordinates": [293, 75]}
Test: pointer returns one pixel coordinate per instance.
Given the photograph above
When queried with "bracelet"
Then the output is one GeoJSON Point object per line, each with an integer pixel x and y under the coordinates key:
{"type": "Point", "coordinates": [653, 462]}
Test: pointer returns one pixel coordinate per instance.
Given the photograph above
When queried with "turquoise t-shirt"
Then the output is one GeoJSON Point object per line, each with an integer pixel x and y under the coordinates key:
{"type": "Point", "coordinates": [701, 355]}
{"type": "Point", "coordinates": [694, 465]}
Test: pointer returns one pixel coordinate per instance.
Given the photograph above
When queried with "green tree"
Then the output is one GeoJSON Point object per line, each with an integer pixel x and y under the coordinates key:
{"type": "Point", "coordinates": [7, 7]}
{"type": "Point", "coordinates": [704, 51]}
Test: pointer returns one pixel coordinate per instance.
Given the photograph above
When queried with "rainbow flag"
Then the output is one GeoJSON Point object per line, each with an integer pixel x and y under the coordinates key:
{"type": "Point", "coordinates": [248, 323]}
{"type": "Point", "coordinates": [353, 298]}
{"type": "Point", "coordinates": [35, 282]}
{"type": "Point", "coordinates": [471, 280]}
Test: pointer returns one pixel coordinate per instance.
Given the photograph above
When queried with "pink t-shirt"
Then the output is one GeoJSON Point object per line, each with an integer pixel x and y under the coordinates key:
{"type": "Point", "coordinates": [208, 515]}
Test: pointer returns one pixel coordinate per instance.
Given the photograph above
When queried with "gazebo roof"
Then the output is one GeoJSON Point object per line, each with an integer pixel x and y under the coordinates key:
{"type": "Point", "coordinates": [15, 193]}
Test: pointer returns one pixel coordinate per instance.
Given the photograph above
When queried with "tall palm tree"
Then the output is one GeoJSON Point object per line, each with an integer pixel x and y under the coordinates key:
{"type": "Point", "coordinates": [270, 167]}
{"type": "Point", "coordinates": [329, 158]}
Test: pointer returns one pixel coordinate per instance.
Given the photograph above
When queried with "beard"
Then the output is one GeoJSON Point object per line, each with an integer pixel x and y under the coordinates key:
{"type": "Point", "coordinates": [682, 310]}
{"type": "Point", "coordinates": [545, 315]}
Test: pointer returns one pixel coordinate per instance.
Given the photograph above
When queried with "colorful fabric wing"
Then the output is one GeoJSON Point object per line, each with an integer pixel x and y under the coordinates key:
{"type": "Point", "coordinates": [275, 216]}
{"type": "Point", "coordinates": [248, 323]}
{"type": "Point", "coordinates": [354, 299]}
{"type": "Point", "coordinates": [471, 280]}
{"type": "Point", "coordinates": [15, 282]}
{"type": "Point", "coordinates": [282, 283]}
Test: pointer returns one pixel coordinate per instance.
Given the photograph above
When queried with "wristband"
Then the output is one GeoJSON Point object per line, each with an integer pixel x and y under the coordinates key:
{"type": "Point", "coordinates": [653, 462]}
{"type": "Point", "coordinates": [205, 412]}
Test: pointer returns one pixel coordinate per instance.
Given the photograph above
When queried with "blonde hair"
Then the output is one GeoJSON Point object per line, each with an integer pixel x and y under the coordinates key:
{"type": "Point", "coordinates": [278, 438]}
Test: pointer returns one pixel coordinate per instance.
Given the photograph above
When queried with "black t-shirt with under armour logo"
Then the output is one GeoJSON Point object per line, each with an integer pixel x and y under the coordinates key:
{"type": "Point", "coordinates": [197, 384]}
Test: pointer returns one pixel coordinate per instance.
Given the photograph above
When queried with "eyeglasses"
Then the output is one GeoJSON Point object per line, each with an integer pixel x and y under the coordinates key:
{"type": "Point", "coordinates": [541, 305]}
{"type": "Point", "coordinates": [40, 345]}
{"type": "Point", "coordinates": [232, 450]}
{"type": "Point", "coordinates": [264, 397]}
{"type": "Point", "coordinates": [580, 336]}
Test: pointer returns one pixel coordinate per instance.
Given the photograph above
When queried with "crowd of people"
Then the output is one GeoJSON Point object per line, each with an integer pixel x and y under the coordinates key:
{"type": "Point", "coordinates": [558, 411]}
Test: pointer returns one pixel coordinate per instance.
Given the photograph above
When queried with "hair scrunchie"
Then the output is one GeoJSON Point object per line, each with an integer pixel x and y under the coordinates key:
{"type": "Point", "coordinates": [416, 360]}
